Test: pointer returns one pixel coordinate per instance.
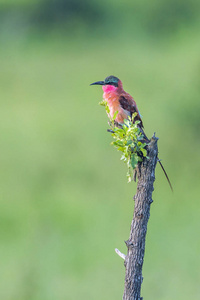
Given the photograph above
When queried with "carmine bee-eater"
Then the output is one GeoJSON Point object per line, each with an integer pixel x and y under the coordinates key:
{"type": "Point", "coordinates": [120, 101]}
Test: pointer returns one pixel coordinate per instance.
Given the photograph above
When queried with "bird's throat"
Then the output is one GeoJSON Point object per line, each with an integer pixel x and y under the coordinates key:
{"type": "Point", "coordinates": [111, 96]}
{"type": "Point", "coordinates": [110, 93]}
{"type": "Point", "coordinates": [109, 88]}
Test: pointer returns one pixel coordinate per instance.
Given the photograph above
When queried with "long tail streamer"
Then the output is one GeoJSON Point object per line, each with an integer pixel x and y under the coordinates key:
{"type": "Point", "coordinates": [165, 174]}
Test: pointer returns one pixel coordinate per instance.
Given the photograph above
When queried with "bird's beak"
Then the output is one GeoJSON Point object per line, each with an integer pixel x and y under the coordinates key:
{"type": "Point", "coordinates": [98, 83]}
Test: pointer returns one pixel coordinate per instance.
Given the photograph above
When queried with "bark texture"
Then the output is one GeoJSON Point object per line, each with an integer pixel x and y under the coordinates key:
{"type": "Point", "coordinates": [136, 242]}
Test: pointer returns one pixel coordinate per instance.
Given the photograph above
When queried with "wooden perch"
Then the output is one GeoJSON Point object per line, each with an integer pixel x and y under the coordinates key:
{"type": "Point", "coordinates": [136, 243]}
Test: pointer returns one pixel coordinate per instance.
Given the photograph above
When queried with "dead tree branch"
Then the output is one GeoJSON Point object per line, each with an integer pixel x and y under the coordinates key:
{"type": "Point", "coordinates": [136, 242]}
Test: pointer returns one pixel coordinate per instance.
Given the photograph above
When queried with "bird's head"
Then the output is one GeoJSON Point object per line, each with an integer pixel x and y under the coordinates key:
{"type": "Point", "coordinates": [109, 84]}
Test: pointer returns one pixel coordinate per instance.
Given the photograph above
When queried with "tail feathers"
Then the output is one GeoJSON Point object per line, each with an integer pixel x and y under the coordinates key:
{"type": "Point", "coordinates": [146, 140]}
{"type": "Point", "coordinates": [165, 174]}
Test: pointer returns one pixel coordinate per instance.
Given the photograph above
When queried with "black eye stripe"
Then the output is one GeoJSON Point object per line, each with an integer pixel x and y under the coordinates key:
{"type": "Point", "coordinates": [112, 83]}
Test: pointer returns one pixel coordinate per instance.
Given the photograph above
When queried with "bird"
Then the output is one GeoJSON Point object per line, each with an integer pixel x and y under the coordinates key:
{"type": "Point", "coordinates": [123, 103]}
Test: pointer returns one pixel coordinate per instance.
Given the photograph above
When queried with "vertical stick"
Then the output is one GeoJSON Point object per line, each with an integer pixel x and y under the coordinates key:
{"type": "Point", "coordinates": [136, 242]}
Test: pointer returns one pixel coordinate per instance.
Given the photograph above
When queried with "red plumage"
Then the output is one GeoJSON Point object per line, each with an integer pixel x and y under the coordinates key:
{"type": "Point", "coordinates": [121, 101]}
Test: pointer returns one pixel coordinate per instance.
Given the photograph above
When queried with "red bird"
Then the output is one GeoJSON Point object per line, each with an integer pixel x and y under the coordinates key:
{"type": "Point", "coordinates": [118, 100]}
{"type": "Point", "coordinates": [121, 101]}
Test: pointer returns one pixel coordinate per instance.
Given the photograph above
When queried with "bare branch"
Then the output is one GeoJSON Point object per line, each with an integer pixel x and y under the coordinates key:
{"type": "Point", "coordinates": [136, 242]}
{"type": "Point", "coordinates": [122, 255]}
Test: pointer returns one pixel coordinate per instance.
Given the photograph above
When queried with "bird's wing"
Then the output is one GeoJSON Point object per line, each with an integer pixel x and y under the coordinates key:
{"type": "Point", "coordinates": [130, 105]}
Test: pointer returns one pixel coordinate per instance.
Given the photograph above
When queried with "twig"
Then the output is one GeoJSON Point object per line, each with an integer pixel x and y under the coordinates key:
{"type": "Point", "coordinates": [122, 255]}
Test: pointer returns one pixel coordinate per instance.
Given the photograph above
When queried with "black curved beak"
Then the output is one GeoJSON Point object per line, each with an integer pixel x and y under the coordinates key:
{"type": "Point", "coordinates": [98, 83]}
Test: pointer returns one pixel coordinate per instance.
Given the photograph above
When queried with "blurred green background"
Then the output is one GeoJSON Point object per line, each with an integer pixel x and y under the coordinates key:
{"type": "Point", "coordinates": [65, 202]}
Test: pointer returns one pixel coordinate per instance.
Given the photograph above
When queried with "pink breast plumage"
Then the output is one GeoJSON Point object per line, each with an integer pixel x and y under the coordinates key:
{"type": "Point", "coordinates": [111, 96]}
